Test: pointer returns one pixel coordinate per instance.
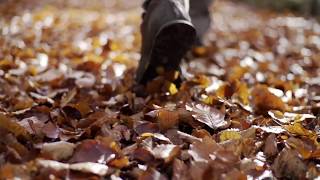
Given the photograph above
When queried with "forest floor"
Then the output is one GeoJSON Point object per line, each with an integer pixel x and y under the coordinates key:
{"type": "Point", "coordinates": [248, 109]}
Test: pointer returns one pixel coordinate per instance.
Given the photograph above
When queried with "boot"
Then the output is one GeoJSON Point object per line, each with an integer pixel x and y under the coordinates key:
{"type": "Point", "coordinates": [167, 34]}
{"type": "Point", "coordinates": [200, 17]}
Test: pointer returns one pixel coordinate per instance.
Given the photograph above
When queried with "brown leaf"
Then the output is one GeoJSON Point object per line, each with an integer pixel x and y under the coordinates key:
{"type": "Point", "coordinates": [12, 126]}
{"type": "Point", "coordinates": [208, 115]}
{"type": "Point", "coordinates": [301, 147]}
{"type": "Point", "coordinates": [270, 147]}
{"type": "Point", "coordinates": [143, 155]}
{"type": "Point", "coordinates": [289, 165]}
{"type": "Point", "coordinates": [93, 151]}
{"type": "Point", "coordinates": [263, 100]}
{"type": "Point", "coordinates": [33, 125]}
{"type": "Point", "coordinates": [68, 97]}
{"type": "Point", "coordinates": [201, 151]}
{"type": "Point", "coordinates": [51, 130]}
{"type": "Point", "coordinates": [119, 163]}
{"type": "Point", "coordinates": [147, 128]}
{"type": "Point", "coordinates": [71, 112]}
{"type": "Point", "coordinates": [152, 174]}
{"type": "Point", "coordinates": [180, 170]}
{"type": "Point", "coordinates": [167, 119]}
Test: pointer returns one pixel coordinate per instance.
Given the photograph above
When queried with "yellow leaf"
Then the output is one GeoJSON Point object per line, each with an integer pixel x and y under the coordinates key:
{"type": "Point", "coordinates": [298, 129]}
{"type": "Point", "coordinates": [202, 80]}
{"type": "Point", "coordinates": [94, 58]}
{"type": "Point", "coordinates": [237, 73]}
{"type": "Point", "coordinates": [173, 89]}
{"type": "Point", "coordinates": [243, 93]}
{"type": "Point", "coordinates": [229, 135]}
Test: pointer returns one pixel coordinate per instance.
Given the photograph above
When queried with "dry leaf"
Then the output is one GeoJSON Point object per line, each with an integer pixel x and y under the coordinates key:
{"type": "Point", "coordinates": [167, 152]}
{"type": "Point", "coordinates": [12, 126]}
{"type": "Point", "coordinates": [289, 165]}
{"type": "Point", "coordinates": [298, 129]}
{"type": "Point", "coordinates": [263, 100]}
{"type": "Point", "coordinates": [87, 167]}
{"type": "Point", "coordinates": [58, 150]}
{"type": "Point", "coordinates": [208, 115]}
{"type": "Point", "coordinates": [229, 135]}
{"type": "Point", "coordinates": [167, 119]}
{"type": "Point", "coordinates": [270, 146]}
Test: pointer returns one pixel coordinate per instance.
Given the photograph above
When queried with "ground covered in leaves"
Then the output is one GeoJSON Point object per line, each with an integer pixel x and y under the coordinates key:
{"type": "Point", "coordinates": [249, 107]}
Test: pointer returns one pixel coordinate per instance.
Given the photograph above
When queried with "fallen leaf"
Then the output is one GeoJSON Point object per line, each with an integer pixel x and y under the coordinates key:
{"type": "Point", "coordinates": [147, 128]}
{"type": "Point", "coordinates": [51, 130]}
{"type": "Point", "coordinates": [228, 135]}
{"type": "Point", "coordinates": [12, 126]}
{"type": "Point", "coordinates": [93, 151]}
{"type": "Point", "coordinates": [180, 170]}
{"type": "Point", "coordinates": [298, 129]}
{"type": "Point", "coordinates": [119, 163]}
{"type": "Point", "coordinates": [68, 97]}
{"type": "Point", "coordinates": [58, 150]}
{"type": "Point", "coordinates": [153, 174]}
{"type": "Point", "coordinates": [167, 119]}
{"type": "Point", "coordinates": [208, 115]}
{"type": "Point", "coordinates": [263, 100]}
{"type": "Point", "coordinates": [270, 146]}
{"type": "Point", "coordinates": [167, 152]}
{"type": "Point", "coordinates": [86, 81]}
{"type": "Point", "coordinates": [301, 147]}
{"type": "Point", "coordinates": [286, 117]}
{"type": "Point", "coordinates": [49, 76]}
{"type": "Point", "coordinates": [143, 155]}
{"type": "Point", "coordinates": [201, 151]}
{"type": "Point", "coordinates": [86, 167]}
{"type": "Point", "coordinates": [289, 165]}
{"type": "Point", "coordinates": [173, 89]}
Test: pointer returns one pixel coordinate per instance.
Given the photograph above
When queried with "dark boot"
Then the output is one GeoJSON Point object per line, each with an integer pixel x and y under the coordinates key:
{"type": "Point", "coordinates": [167, 34]}
{"type": "Point", "coordinates": [200, 17]}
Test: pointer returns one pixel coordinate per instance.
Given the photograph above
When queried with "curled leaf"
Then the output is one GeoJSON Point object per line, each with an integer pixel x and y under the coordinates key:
{"type": "Point", "coordinates": [263, 100]}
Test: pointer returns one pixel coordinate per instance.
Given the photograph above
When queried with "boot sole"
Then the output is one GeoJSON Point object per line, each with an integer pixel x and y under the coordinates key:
{"type": "Point", "coordinates": [170, 45]}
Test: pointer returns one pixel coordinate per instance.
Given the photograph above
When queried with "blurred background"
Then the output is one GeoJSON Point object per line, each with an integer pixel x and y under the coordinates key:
{"type": "Point", "coordinates": [305, 7]}
{"type": "Point", "coordinates": [301, 7]}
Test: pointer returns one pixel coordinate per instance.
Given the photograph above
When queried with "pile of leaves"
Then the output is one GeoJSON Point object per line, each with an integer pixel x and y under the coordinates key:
{"type": "Point", "coordinates": [249, 106]}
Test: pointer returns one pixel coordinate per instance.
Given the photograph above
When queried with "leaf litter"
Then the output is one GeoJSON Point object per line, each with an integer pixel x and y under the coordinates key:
{"type": "Point", "coordinates": [249, 107]}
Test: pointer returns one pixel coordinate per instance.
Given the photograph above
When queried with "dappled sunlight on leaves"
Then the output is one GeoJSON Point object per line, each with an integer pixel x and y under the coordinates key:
{"type": "Point", "coordinates": [247, 107]}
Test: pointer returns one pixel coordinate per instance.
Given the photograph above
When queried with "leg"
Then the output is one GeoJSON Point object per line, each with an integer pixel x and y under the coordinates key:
{"type": "Point", "coordinates": [167, 34]}
{"type": "Point", "coordinates": [200, 16]}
